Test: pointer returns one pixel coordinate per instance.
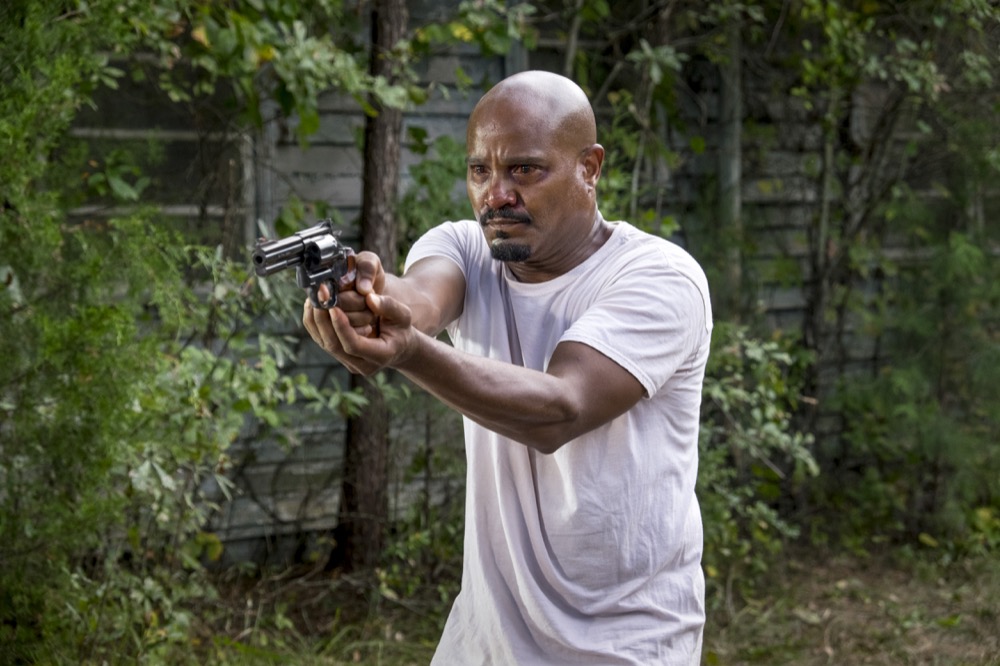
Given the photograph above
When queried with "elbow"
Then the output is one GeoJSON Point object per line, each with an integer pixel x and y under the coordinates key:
{"type": "Point", "coordinates": [544, 444]}
{"type": "Point", "coordinates": [427, 319]}
{"type": "Point", "coordinates": [430, 319]}
{"type": "Point", "coordinates": [551, 436]}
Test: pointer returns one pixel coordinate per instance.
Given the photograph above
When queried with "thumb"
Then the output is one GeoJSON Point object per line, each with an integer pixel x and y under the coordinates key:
{"type": "Point", "coordinates": [369, 270]}
{"type": "Point", "coordinates": [388, 309]}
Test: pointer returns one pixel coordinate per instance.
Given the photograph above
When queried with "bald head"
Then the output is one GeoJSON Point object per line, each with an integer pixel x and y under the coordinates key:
{"type": "Point", "coordinates": [541, 101]}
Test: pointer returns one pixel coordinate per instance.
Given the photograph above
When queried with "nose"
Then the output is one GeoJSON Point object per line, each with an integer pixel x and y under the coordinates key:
{"type": "Point", "coordinates": [500, 191]}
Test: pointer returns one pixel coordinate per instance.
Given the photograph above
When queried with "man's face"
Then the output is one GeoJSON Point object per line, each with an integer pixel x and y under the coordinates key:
{"type": "Point", "coordinates": [528, 185]}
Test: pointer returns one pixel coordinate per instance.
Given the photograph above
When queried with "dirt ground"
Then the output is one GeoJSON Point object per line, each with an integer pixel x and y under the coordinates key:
{"type": "Point", "coordinates": [857, 610]}
{"type": "Point", "coordinates": [817, 611]}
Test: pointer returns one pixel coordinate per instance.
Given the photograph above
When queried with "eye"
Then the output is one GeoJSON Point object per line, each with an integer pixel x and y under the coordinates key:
{"type": "Point", "coordinates": [524, 169]}
{"type": "Point", "coordinates": [477, 169]}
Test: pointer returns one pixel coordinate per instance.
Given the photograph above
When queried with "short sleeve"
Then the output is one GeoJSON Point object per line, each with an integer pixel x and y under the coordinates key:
{"type": "Point", "coordinates": [457, 241]}
{"type": "Point", "coordinates": [653, 321]}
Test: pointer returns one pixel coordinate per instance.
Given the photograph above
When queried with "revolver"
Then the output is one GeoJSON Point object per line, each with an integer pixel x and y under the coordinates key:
{"type": "Point", "coordinates": [316, 254]}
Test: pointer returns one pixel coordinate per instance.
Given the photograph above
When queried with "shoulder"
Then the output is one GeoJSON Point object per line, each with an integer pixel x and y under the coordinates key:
{"type": "Point", "coordinates": [648, 252]}
{"type": "Point", "coordinates": [667, 270]}
{"type": "Point", "coordinates": [657, 249]}
{"type": "Point", "coordinates": [461, 241]}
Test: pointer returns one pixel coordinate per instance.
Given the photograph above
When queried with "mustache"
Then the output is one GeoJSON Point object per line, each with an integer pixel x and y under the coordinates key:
{"type": "Point", "coordinates": [503, 214]}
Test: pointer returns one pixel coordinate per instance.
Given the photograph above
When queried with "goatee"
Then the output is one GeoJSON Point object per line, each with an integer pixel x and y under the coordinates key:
{"type": "Point", "coordinates": [509, 251]}
{"type": "Point", "coordinates": [502, 248]}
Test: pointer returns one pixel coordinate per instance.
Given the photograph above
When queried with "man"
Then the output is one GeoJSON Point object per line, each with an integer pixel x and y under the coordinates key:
{"type": "Point", "coordinates": [579, 349]}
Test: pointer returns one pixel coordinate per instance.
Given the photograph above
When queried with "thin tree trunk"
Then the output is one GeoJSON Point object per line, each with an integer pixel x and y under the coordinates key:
{"type": "Point", "coordinates": [364, 510]}
{"type": "Point", "coordinates": [573, 38]}
{"type": "Point", "coordinates": [731, 172]}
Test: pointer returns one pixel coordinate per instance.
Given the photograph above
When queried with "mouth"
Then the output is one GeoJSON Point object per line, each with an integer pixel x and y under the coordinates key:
{"type": "Point", "coordinates": [500, 218]}
{"type": "Point", "coordinates": [501, 223]}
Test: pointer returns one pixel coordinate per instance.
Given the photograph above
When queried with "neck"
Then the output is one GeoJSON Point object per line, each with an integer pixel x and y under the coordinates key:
{"type": "Point", "coordinates": [597, 235]}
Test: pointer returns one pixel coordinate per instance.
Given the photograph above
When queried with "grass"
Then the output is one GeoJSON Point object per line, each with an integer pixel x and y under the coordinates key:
{"type": "Point", "coordinates": [815, 611]}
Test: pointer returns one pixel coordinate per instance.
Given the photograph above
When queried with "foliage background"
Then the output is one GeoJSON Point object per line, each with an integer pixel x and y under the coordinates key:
{"type": "Point", "coordinates": [135, 352]}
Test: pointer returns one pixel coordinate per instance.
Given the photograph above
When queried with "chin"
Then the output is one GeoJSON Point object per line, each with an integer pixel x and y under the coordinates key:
{"type": "Point", "coordinates": [507, 251]}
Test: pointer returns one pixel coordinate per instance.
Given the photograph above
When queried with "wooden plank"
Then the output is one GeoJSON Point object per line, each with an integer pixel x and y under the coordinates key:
{"type": "Point", "coordinates": [246, 517]}
{"type": "Point", "coordinates": [782, 299]}
{"type": "Point", "coordinates": [323, 160]}
{"type": "Point", "coordinates": [787, 189]}
{"type": "Point", "coordinates": [293, 474]}
{"type": "Point", "coordinates": [779, 243]}
{"type": "Point", "coordinates": [309, 186]}
{"type": "Point", "coordinates": [786, 163]}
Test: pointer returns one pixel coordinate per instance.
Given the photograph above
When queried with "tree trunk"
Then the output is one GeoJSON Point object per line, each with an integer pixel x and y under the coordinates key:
{"type": "Point", "coordinates": [364, 510]}
{"type": "Point", "coordinates": [730, 174]}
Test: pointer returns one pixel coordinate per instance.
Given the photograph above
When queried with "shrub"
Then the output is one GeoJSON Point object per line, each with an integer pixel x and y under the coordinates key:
{"type": "Point", "coordinates": [752, 457]}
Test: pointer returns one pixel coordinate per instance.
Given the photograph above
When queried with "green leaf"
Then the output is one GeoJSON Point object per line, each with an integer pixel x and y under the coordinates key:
{"type": "Point", "coordinates": [121, 188]}
{"type": "Point", "coordinates": [927, 540]}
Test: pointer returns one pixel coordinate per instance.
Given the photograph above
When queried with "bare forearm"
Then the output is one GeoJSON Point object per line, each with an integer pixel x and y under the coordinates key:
{"type": "Point", "coordinates": [526, 405]}
{"type": "Point", "coordinates": [580, 389]}
{"type": "Point", "coordinates": [426, 316]}
{"type": "Point", "coordinates": [434, 291]}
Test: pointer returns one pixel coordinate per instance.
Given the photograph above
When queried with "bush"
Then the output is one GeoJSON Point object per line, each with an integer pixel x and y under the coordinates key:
{"type": "Point", "coordinates": [920, 460]}
{"type": "Point", "coordinates": [130, 363]}
{"type": "Point", "coordinates": [752, 457]}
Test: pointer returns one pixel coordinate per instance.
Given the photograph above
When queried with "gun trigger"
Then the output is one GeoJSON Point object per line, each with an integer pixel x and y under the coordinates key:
{"type": "Point", "coordinates": [348, 278]}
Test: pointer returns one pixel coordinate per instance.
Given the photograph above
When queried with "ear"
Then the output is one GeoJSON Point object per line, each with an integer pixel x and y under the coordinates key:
{"type": "Point", "coordinates": [591, 160]}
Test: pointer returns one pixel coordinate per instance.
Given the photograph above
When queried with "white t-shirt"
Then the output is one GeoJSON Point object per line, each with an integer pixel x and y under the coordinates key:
{"type": "Point", "coordinates": [590, 555]}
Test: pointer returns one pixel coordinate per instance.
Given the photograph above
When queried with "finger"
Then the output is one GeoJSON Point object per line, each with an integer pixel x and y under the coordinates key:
{"type": "Point", "coordinates": [388, 308]}
{"type": "Point", "coordinates": [367, 330]}
{"type": "Point", "coordinates": [346, 336]}
{"type": "Point", "coordinates": [356, 308]}
{"type": "Point", "coordinates": [368, 267]}
{"type": "Point", "coordinates": [360, 319]}
{"type": "Point", "coordinates": [347, 281]}
{"type": "Point", "coordinates": [319, 324]}
{"type": "Point", "coordinates": [308, 322]}
{"type": "Point", "coordinates": [323, 293]}
{"type": "Point", "coordinates": [351, 301]}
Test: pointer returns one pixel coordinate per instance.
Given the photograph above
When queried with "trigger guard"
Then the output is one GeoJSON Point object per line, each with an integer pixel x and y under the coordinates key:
{"type": "Point", "coordinates": [327, 304]}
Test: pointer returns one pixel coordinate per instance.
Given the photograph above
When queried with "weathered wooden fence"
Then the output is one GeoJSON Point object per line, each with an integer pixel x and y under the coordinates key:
{"type": "Point", "coordinates": [221, 185]}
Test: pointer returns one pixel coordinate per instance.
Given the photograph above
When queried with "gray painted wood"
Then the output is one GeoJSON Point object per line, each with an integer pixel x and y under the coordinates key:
{"type": "Point", "coordinates": [208, 178]}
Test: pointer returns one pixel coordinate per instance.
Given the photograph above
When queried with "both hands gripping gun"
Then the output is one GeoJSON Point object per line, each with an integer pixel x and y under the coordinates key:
{"type": "Point", "coordinates": [316, 254]}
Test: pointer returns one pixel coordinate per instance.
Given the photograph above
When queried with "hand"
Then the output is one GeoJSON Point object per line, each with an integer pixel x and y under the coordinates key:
{"type": "Point", "coordinates": [369, 277]}
{"type": "Point", "coordinates": [393, 343]}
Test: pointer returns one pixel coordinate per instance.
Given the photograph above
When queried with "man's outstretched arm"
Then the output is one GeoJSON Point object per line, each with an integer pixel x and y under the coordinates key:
{"type": "Point", "coordinates": [580, 390]}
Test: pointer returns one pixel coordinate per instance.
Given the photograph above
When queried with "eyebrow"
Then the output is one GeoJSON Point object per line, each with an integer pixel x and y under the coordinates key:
{"type": "Point", "coordinates": [515, 159]}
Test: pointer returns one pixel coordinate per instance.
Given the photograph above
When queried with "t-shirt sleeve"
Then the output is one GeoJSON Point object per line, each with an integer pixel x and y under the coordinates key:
{"type": "Point", "coordinates": [452, 240]}
{"type": "Point", "coordinates": [652, 321]}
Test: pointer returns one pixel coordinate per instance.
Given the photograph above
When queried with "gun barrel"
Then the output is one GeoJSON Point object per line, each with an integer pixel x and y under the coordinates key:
{"type": "Point", "coordinates": [272, 256]}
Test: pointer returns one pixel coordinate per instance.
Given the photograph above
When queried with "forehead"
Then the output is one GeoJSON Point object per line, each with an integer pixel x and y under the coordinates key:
{"type": "Point", "coordinates": [511, 126]}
